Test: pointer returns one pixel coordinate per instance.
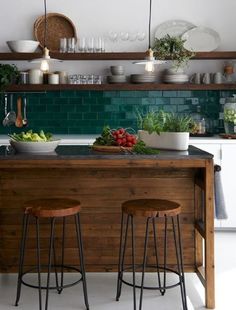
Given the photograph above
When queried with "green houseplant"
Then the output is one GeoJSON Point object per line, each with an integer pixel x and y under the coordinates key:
{"type": "Point", "coordinates": [165, 130]}
{"type": "Point", "coordinates": [172, 48]}
{"type": "Point", "coordinates": [8, 74]}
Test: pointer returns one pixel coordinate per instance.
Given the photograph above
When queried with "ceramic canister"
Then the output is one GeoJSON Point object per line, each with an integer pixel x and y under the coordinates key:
{"type": "Point", "coordinates": [35, 76]}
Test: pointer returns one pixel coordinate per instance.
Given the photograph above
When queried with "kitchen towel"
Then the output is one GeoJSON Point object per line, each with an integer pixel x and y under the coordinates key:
{"type": "Point", "coordinates": [220, 207]}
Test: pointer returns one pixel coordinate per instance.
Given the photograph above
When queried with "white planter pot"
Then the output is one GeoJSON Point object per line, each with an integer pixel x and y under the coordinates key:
{"type": "Point", "coordinates": [166, 140]}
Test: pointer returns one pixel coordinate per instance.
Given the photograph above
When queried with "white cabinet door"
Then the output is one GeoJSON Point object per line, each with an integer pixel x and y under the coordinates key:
{"type": "Point", "coordinates": [228, 174]}
{"type": "Point", "coordinates": [214, 149]}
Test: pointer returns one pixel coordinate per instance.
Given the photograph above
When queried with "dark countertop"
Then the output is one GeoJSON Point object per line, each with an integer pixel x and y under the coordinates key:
{"type": "Point", "coordinates": [73, 152]}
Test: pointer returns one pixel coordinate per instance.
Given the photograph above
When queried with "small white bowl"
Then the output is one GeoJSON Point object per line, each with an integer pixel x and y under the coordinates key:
{"type": "Point", "coordinates": [23, 46]}
{"type": "Point", "coordinates": [34, 147]}
{"type": "Point", "coordinates": [117, 70]}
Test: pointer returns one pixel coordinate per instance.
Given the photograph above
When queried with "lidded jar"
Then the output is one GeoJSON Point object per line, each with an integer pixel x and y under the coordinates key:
{"type": "Point", "coordinates": [230, 115]}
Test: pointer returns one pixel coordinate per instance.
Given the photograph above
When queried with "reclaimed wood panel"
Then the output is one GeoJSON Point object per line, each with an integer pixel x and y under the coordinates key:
{"type": "Point", "coordinates": [101, 192]}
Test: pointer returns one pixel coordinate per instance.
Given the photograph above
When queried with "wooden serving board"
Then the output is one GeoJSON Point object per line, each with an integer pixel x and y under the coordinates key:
{"type": "Point", "coordinates": [111, 148]}
{"type": "Point", "coordinates": [228, 136]}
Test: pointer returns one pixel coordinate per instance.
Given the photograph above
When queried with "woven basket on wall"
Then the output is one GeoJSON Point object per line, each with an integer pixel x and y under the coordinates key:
{"type": "Point", "coordinates": [58, 26]}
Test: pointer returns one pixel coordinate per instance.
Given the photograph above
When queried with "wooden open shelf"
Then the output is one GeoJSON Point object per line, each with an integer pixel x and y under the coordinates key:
{"type": "Point", "coordinates": [110, 56]}
{"type": "Point", "coordinates": [126, 86]}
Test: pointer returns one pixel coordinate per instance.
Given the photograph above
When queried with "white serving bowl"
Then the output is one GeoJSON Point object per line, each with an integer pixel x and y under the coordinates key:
{"type": "Point", "coordinates": [34, 147]}
{"type": "Point", "coordinates": [23, 46]}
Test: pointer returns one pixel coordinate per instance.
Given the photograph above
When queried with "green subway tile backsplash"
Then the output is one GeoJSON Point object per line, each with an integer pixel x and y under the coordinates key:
{"type": "Point", "coordinates": [86, 112]}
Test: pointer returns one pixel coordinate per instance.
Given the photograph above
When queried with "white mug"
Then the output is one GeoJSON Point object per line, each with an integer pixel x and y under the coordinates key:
{"type": "Point", "coordinates": [196, 78]}
{"type": "Point", "coordinates": [206, 78]}
{"type": "Point", "coordinates": [53, 78]}
{"type": "Point", "coordinates": [218, 78]}
{"type": "Point", "coordinates": [35, 76]}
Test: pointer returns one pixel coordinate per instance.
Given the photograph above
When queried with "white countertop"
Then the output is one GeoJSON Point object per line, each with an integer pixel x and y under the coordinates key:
{"type": "Point", "coordinates": [89, 139]}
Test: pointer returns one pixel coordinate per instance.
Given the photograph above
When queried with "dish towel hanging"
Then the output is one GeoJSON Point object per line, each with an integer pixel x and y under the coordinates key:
{"type": "Point", "coordinates": [220, 207]}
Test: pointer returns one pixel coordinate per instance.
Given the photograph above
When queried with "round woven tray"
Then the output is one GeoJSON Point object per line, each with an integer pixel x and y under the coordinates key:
{"type": "Point", "coordinates": [58, 26]}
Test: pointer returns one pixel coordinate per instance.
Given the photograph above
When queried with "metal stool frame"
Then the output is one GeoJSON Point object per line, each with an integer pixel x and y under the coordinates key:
{"type": "Point", "coordinates": [179, 259]}
{"type": "Point", "coordinates": [51, 255]}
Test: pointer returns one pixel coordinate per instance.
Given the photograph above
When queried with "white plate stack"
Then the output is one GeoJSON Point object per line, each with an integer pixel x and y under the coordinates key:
{"type": "Point", "coordinates": [143, 78]}
{"type": "Point", "coordinates": [175, 77]}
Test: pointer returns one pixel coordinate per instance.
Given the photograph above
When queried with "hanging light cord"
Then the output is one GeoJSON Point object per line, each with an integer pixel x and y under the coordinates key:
{"type": "Point", "coordinates": [45, 23]}
{"type": "Point", "coordinates": [149, 25]}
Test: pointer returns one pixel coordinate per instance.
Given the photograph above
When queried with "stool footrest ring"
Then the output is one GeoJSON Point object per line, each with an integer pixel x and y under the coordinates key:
{"type": "Point", "coordinates": [52, 287]}
{"type": "Point", "coordinates": [151, 287]}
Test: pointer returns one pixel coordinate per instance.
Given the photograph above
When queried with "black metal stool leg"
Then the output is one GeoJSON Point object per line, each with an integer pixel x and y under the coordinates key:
{"type": "Point", "coordinates": [22, 255]}
{"type": "Point", "coordinates": [156, 254]}
{"type": "Point", "coordinates": [181, 263]}
{"type": "Point", "coordinates": [165, 256]}
{"type": "Point", "coordinates": [179, 266]}
{"type": "Point", "coordinates": [55, 267]}
{"type": "Point", "coordinates": [118, 290]}
{"type": "Point", "coordinates": [38, 263]}
{"type": "Point", "coordinates": [50, 260]}
{"type": "Point", "coordinates": [133, 259]}
{"type": "Point", "coordinates": [122, 258]}
{"type": "Point", "coordinates": [144, 263]}
{"type": "Point", "coordinates": [62, 254]}
{"type": "Point", "coordinates": [81, 254]}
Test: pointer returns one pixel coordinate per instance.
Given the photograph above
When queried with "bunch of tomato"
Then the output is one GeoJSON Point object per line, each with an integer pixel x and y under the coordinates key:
{"type": "Point", "coordinates": [123, 138]}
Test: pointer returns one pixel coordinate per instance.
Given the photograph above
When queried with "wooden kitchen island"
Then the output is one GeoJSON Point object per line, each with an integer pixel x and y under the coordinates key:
{"type": "Point", "coordinates": [102, 182]}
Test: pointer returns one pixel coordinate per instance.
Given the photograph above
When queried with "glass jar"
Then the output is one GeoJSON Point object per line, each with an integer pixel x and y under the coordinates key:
{"type": "Point", "coordinates": [230, 115]}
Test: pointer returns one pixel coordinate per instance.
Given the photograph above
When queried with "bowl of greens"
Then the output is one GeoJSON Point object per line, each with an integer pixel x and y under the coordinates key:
{"type": "Point", "coordinates": [33, 142]}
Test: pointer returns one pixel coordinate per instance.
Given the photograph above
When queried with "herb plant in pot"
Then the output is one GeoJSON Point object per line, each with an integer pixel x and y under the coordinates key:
{"type": "Point", "coordinates": [172, 48]}
{"type": "Point", "coordinates": [164, 130]}
{"type": "Point", "coordinates": [9, 74]}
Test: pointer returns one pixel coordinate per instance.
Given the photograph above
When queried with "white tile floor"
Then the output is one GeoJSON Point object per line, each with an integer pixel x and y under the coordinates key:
{"type": "Point", "coordinates": [102, 286]}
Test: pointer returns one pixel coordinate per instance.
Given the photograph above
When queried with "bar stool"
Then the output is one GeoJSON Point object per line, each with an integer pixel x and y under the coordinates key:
{"type": "Point", "coordinates": [152, 210]}
{"type": "Point", "coordinates": [52, 209]}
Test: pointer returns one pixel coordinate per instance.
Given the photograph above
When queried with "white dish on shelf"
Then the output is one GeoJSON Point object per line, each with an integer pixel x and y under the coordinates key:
{"type": "Point", "coordinates": [201, 39]}
{"type": "Point", "coordinates": [174, 28]}
{"type": "Point", "coordinates": [23, 46]}
{"type": "Point", "coordinates": [34, 147]}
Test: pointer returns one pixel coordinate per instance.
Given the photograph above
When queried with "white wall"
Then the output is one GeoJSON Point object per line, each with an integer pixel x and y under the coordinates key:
{"type": "Point", "coordinates": [98, 17]}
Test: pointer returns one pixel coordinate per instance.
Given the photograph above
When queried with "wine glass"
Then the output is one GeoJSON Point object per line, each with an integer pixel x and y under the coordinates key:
{"type": "Point", "coordinates": [141, 35]}
{"type": "Point", "coordinates": [124, 36]}
{"type": "Point", "coordinates": [113, 36]}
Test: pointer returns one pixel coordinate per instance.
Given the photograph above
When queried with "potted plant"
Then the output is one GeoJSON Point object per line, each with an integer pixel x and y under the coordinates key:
{"type": "Point", "coordinates": [172, 48]}
{"type": "Point", "coordinates": [9, 74]}
{"type": "Point", "coordinates": [165, 130]}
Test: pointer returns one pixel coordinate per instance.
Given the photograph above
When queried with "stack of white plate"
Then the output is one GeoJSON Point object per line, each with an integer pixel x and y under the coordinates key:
{"type": "Point", "coordinates": [116, 79]}
{"type": "Point", "coordinates": [143, 78]}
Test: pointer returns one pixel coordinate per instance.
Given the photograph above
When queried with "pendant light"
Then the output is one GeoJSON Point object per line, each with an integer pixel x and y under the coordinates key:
{"type": "Point", "coordinates": [149, 60]}
{"type": "Point", "coordinates": [45, 59]}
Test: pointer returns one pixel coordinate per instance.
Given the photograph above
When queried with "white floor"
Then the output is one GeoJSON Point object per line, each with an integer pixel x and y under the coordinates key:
{"type": "Point", "coordinates": [102, 287]}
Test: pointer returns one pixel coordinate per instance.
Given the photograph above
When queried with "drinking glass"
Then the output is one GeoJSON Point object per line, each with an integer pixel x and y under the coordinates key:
{"type": "Point", "coordinates": [63, 45]}
{"type": "Point", "coordinates": [82, 45]}
{"type": "Point", "coordinates": [90, 44]}
{"type": "Point", "coordinates": [98, 45]}
{"type": "Point", "coordinates": [71, 45]}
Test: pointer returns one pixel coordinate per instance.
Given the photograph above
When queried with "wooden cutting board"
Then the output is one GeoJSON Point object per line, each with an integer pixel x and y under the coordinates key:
{"type": "Point", "coordinates": [110, 148]}
{"type": "Point", "coordinates": [228, 136]}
